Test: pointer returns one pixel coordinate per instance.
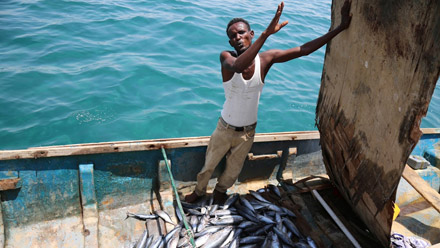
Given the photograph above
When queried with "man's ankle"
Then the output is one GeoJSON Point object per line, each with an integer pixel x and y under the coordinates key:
{"type": "Point", "coordinates": [193, 197]}
{"type": "Point", "coordinates": [219, 197]}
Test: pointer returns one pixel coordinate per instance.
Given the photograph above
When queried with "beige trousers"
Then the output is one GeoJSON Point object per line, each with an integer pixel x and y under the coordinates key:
{"type": "Point", "coordinates": [236, 145]}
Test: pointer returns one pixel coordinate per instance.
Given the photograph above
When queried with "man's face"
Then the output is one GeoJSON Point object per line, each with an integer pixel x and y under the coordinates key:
{"type": "Point", "coordinates": [240, 37]}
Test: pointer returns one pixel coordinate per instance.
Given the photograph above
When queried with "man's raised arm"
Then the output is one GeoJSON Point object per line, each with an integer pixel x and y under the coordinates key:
{"type": "Point", "coordinates": [279, 56]}
{"type": "Point", "coordinates": [245, 59]}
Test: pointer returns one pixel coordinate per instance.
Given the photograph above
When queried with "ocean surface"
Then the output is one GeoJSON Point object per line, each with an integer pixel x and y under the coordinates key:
{"type": "Point", "coordinates": [81, 71]}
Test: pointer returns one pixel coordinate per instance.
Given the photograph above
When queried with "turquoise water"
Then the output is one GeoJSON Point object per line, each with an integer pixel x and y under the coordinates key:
{"type": "Point", "coordinates": [93, 71]}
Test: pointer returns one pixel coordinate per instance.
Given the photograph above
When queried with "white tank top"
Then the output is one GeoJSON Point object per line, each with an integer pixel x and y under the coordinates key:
{"type": "Point", "coordinates": [242, 98]}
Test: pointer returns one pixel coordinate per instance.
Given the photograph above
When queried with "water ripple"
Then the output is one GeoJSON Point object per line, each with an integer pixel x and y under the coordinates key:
{"type": "Point", "coordinates": [76, 71]}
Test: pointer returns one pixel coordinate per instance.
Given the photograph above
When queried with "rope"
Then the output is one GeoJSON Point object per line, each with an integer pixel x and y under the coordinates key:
{"type": "Point", "coordinates": [179, 205]}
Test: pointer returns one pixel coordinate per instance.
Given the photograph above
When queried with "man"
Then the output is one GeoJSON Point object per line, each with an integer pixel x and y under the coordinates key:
{"type": "Point", "coordinates": [243, 72]}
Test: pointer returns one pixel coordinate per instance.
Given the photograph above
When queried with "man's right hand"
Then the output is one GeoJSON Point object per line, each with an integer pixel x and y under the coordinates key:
{"type": "Point", "coordinates": [274, 26]}
{"type": "Point", "coordinates": [345, 14]}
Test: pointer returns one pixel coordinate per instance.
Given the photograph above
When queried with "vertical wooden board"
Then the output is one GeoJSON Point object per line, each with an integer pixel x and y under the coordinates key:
{"type": "Point", "coordinates": [378, 79]}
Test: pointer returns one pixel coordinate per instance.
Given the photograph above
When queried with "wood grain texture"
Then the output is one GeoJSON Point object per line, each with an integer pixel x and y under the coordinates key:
{"type": "Point", "coordinates": [378, 79]}
{"type": "Point", "coordinates": [421, 186]}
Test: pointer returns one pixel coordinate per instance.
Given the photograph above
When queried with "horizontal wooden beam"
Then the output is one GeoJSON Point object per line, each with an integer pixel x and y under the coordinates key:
{"type": "Point", "coordinates": [140, 145]}
{"type": "Point", "coordinates": [430, 130]}
{"type": "Point", "coordinates": [421, 186]}
{"type": "Point", "coordinates": [154, 144]}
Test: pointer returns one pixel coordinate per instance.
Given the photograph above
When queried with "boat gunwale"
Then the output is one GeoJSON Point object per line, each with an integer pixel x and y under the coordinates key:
{"type": "Point", "coordinates": [140, 145]}
{"type": "Point", "coordinates": [151, 144]}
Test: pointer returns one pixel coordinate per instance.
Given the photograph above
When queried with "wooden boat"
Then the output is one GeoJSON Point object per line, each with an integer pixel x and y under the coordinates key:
{"type": "Point", "coordinates": [78, 195]}
{"type": "Point", "coordinates": [378, 79]}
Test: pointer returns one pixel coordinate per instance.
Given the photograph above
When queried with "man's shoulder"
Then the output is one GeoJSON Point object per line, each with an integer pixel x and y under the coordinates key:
{"type": "Point", "coordinates": [226, 52]}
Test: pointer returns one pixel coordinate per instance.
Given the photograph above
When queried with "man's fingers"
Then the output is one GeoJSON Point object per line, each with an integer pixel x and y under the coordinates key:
{"type": "Point", "coordinates": [280, 8]}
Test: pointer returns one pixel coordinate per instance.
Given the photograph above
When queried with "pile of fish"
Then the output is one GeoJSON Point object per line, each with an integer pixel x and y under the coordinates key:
{"type": "Point", "coordinates": [242, 221]}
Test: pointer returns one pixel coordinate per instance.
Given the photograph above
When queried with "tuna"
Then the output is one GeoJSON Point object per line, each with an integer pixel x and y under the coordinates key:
{"type": "Point", "coordinates": [242, 221]}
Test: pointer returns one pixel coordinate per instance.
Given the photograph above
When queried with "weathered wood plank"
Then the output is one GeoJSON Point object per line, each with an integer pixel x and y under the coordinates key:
{"type": "Point", "coordinates": [141, 145]}
{"type": "Point", "coordinates": [421, 186]}
{"type": "Point", "coordinates": [10, 183]}
{"type": "Point", "coordinates": [377, 82]}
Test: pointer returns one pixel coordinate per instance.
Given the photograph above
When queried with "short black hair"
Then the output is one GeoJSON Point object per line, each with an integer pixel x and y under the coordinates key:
{"type": "Point", "coordinates": [235, 20]}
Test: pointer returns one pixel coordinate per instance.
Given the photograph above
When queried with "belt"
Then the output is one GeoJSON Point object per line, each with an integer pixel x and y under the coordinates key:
{"type": "Point", "coordinates": [238, 129]}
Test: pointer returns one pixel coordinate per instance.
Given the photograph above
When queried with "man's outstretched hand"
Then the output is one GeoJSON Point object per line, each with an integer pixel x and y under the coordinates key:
{"type": "Point", "coordinates": [274, 26]}
{"type": "Point", "coordinates": [345, 14]}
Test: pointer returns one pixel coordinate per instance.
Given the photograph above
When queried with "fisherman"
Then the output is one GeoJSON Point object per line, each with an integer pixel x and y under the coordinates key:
{"type": "Point", "coordinates": [243, 73]}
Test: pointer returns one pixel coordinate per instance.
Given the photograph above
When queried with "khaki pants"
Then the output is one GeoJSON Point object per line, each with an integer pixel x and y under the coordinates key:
{"type": "Point", "coordinates": [236, 145]}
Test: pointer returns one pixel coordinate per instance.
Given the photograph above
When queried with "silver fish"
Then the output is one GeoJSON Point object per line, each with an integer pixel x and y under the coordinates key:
{"type": "Point", "coordinates": [300, 245]}
{"type": "Point", "coordinates": [204, 220]}
{"type": "Point", "coordinates": [257, 205]}
{"type": "Point", "coordinates": [208, 230]}
{"type": "Point", "coordinates": [245, 224]}
{"type": "Point", "coordinates": [289, 224]}
{"type": "Point", "coordinates": [212, 208]}
{"type": "Point", "coordinates": [249, 246]}
{"type": "Point", "coordinates": [311, 242]}
{"type": "Point", "coordinates": [222, 212]}
{"type": "Point", "coordinates": [258, 196]}
{"type": "Point", "coordinates": [162, 214]}
{"type": "Point", "coordinates": [218, 238]}
{"type": "Point", "coordinates": [283, 236]}
{"type": "Point", "coordinates": [149, 241]}
{"type": "Point", "coordinates": [265, 219]}
{"type": "Point", "coordinates": [246, 213]}
{"type": "Point", "coordinates": [245, 209]}
{"type": "Point", "coordinates": [247, 204]}
{"type": "Point", "coordinates": [189, 245]}
{"type": "Point", "coordinates": [267, 242]}
{"type": "Point", "coordinates": [211, 200]}
{"type": "Point", "coordinates": [234, 243]}
{"type": "Point", "coordinates": [204, 210]}
{"type": "Point", "coordinates": [158, 242]}
{"type": "Point", "coordinates": [237, 233]}
{"type": "Point", "coordinates": [278, 221]}
{"type": "Point", "coordinates": [141, 216]}
{"type": "Point", "coordinates": [178, 214]}
{"type": "Point", "coordinates": [270, 214]}
{"type": "Point", "coordinates": [172, 242]}
{"type": "Point", "coordinates": [275, 241]}
{"type": "Point", "coordinates": [284, 230]}
{"type": "Point", "coordinates": [252, 229]}
{"type": "Point", "coordinates": [262, 190]}
{"type": "Point", "coordinates": [183, 241]}
{"type": "Point", "coordinates": [200, 241]}
{"type": "Point", "coordinates": [229, 238]}
{"type": "Point", "coordinates": [275, 190]}
{"type": "Point", "coordinates": [227, 220]}
{"type": "Point", "coordinates": [195, 212]}
{"type": "Point", "coordinates": [251, 240]}
{"type": "Point", "coordinates": [273, 207]}
{"type": "Point", "coordinates": [263, 230]}
{"type": "Point", "coordinates": [194, 221]}
{"type": "Point", "coordinates": [171, 233]}
{"type": "Point", "coordinates": [288, 212]}
{"type": "Point", "coordinates": [143, 240]}
{"type": "Point", "coordinates": [230, 201]}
